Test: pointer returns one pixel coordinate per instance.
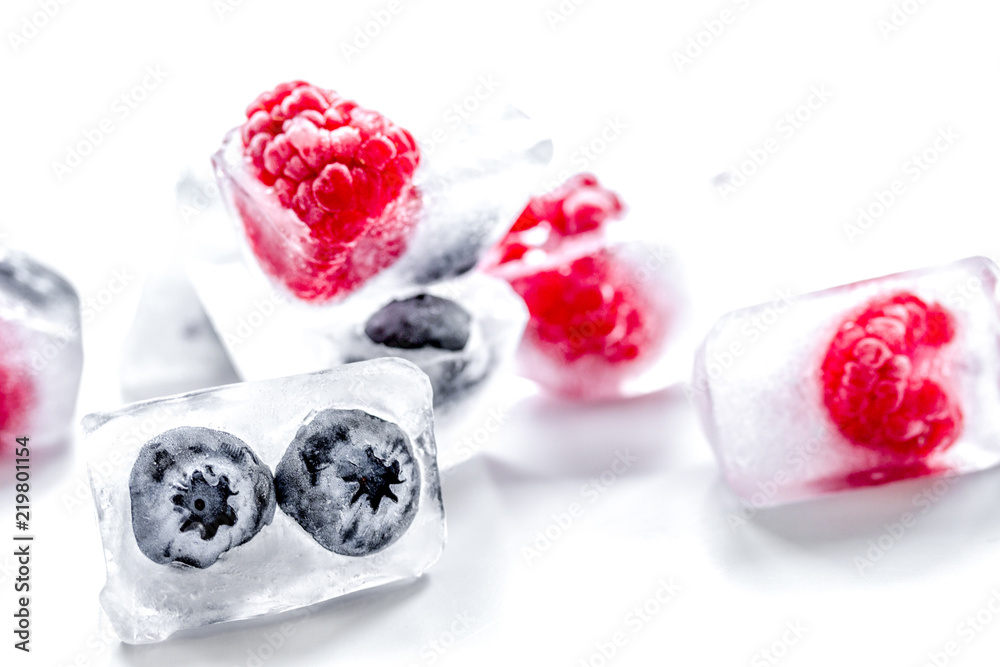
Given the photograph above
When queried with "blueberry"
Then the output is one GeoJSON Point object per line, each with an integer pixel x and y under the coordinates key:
{"type": "Point", "coordinates": [350, 480]}
{"type": "Point", "coordinates": [196, 493]}
{"type": "Point", "coordinates": [421, 321]}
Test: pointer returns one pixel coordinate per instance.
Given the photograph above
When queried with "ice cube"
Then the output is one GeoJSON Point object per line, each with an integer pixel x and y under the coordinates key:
{"type": "Point", "coordinates": [265, 496]}
{"type": "Point", "coordinates": [858, 385]}
{"type": "Point", "coordinates": [42, 355]}
{"type": "Point", "coordinates": [463, 333]}
{"type": "Point", "coordinates": [606, 323]}
{"type": "Point", "coordinates": [332, 200]}
{"type": "Point", "coordinates": [172, 347]}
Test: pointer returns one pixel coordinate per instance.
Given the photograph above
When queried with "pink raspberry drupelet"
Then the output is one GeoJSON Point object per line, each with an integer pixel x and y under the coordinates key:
{"type": "Point", "coordinates": [886, 381]}
{"type": "Point", "coordinates": [343, 171]}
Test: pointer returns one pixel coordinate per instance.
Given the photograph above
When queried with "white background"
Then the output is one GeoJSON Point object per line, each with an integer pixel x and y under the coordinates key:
{"type": "Point", "coordinates": [666, 518]}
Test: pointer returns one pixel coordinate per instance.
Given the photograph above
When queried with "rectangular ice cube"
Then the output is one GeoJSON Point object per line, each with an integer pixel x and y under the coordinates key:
{"type": "Point", "coordinates": [42, 356]}
{"type": "Point", "coordinates": [858, 385]}
{"type": "Point", "coordinates": [265, 496]}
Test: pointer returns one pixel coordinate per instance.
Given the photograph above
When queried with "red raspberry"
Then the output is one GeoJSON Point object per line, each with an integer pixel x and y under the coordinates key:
{"type": "Point", "coordinates": [16, 392]}
{"type": "Point", "coordinates": [345, 172]}
{"type": "Point", "coordinates": [578, 206]}
{"type": "Point", "coordinates": [884, 379]}
{"type": "Point", "coordinates": [592, 326]}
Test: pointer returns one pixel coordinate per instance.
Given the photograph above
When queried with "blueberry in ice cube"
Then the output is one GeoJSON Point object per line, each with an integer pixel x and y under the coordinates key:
{"type": "Point", "coordinates": [196, 493]}
{"type": "Point", "coordinates": [421, 321]}
{"type": "Point", "coordinates": [350, 480]}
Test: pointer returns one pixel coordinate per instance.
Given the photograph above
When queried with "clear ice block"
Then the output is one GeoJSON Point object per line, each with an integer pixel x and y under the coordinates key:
{"type": "Point", "coordinates": [172, 347]}
{"type": "Point", "coordinates": [265, 496]}
{"type": "Point", "coordinates": [42, 354]}
{"type": "Point", "coordinates": [858, 385]}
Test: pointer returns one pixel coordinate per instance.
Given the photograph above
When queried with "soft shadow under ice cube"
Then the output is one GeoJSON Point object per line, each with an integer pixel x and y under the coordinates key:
{"type": "Point", "coordinates": [758, 385]}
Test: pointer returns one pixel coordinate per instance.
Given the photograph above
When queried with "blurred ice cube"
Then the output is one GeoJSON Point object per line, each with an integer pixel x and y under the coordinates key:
{"type": "Point", "coordinates": [42, 356]}
{"type": "Point", "coordinates": [172, 347]}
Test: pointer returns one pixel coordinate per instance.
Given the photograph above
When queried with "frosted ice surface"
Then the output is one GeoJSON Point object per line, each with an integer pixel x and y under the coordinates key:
{"type": "Point", "coordinates": [172, 347]}
{"type": "Point", "coordinates": [759, 384]}
{"type": "Point", "coordinates": [264, 496]}
{"type": "Point", "coordinates": [42, 354]}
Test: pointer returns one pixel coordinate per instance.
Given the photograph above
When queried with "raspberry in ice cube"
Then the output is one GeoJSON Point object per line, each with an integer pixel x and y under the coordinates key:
{"type": "Point", "coordinates": [596, 322]}
{"type": "Point", "coordinates": [42, 357]}
{"type": "Point", "coordinates": [331, 195]}
{"type": "Point", "coordinates": [859, 385]}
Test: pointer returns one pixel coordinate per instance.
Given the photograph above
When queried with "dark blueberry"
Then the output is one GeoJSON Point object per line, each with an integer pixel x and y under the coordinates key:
{"type": "Point", "coordinates": [350, 480]}
{"type": "Point", "coordinates": [421, 321]}
{"type": "Point", "coordinates": [196, 493]}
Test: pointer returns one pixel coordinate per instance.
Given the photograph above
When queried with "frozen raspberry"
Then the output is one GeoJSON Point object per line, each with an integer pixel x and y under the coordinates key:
{"type": "Point", "coordinates": [346, 173]}
{"type": "Point", "coordinates": [16, 392]}
{"type": "Point", "coordinates": [885, 379]}
{"type": "Point", "coordinates": [577, 207]}
{"type": "Point", "coordinates": [593, 325]}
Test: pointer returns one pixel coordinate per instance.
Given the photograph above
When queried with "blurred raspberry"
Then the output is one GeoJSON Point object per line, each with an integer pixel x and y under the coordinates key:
{"type": "Point", "coordinates": [16, 392]}
{"type": "Point", "coordinates": [884, 382]}
{"type": "Point", "coordinates": [579, 206]}
{"type": "Point", "coordinates": [341, 168]}
{"type": "Point", "coordinates": [593, 325]}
